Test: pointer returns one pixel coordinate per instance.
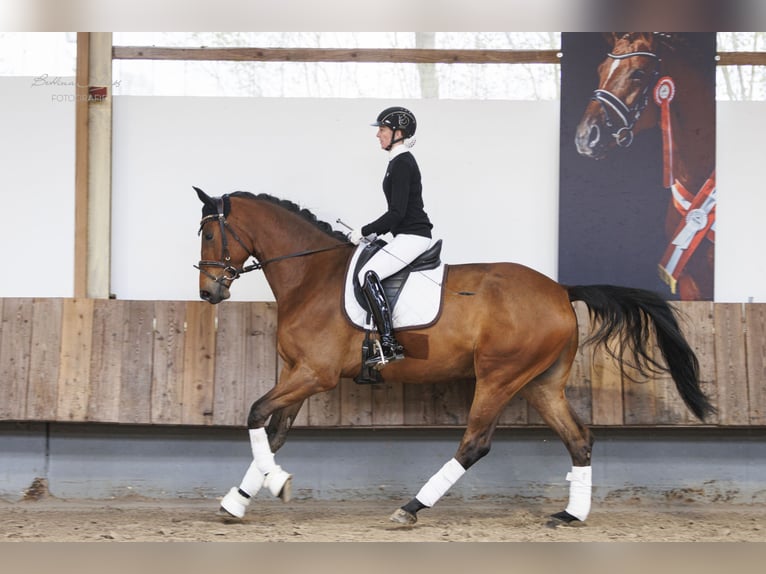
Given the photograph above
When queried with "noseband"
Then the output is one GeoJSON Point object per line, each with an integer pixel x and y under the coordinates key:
{"type": "Point", "coordinates": [230, 272]}
{"type": "Point", "coordinates": [619, 116]}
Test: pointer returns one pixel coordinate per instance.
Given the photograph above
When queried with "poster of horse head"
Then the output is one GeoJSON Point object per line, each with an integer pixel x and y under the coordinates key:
{"type": "Point", "coordinates": [637, 161]}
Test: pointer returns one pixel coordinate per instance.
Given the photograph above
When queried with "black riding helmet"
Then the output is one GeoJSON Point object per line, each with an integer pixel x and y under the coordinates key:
{"type": "Point", "coordinates": [397, 118]}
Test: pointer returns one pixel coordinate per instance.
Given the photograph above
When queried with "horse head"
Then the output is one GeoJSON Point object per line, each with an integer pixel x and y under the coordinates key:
{"type": "Point", "coordinates": [619, 106]}
{"type": "Point", "coordinates": [223, 252]}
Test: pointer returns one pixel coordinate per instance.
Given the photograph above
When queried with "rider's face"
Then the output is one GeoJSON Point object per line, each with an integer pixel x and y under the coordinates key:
{"type": "Point", "coordinates": [385, 134]}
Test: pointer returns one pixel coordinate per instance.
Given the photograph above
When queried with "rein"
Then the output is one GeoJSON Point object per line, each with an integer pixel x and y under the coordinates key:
{"type": "Point", "coordinates": [225, 261]}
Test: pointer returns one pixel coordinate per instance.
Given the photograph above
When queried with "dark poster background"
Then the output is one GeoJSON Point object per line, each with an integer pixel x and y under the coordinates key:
{"type": "Point", "coordinates": [611, 211]}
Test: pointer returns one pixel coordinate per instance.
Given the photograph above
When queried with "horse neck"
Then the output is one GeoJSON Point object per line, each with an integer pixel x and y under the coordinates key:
{"type": "Point", "coordinates": [693, 123]}
{"type": "Point", "coordinates": [273, 232]}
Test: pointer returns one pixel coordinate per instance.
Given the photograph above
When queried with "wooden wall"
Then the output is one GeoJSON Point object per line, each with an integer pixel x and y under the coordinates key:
{"type": "Point", "coordinates": [191, 363]}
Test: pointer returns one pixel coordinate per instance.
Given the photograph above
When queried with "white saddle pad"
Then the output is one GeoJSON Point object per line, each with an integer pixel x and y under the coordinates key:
{"type": "Point", "coordinates": [418, 304]}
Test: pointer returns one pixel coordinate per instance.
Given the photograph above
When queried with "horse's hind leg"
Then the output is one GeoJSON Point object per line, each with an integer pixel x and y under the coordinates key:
{"type": "Point", "coordinates": [546, 395]}
{"type": "Point", "coordinates": [488, 403]}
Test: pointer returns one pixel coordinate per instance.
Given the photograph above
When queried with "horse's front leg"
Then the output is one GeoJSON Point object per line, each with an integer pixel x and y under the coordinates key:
{"type": "Point", "coordinates": [284, 400]}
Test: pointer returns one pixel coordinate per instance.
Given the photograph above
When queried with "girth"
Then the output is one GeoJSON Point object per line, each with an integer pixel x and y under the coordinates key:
{"type": "Point", "coordinates": [393, 284]}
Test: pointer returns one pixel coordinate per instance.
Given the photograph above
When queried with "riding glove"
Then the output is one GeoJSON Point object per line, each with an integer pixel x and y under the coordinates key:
{"type": "Point", "coordinates": [355, 236]}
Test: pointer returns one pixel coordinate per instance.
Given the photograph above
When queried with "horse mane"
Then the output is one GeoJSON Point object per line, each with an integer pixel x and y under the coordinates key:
{"type": "Point", "coordinates": [293, 207]}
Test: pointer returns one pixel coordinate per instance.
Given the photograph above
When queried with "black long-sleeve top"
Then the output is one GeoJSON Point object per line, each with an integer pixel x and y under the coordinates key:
{"type": "Point", "coordinates": [404, 194]}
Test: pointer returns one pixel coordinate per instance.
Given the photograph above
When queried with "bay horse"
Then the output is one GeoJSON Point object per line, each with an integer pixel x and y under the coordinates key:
{"type": "Point", "coordinates": [508, 327]}
{"type": "Point", "coordinates": [649, 80]}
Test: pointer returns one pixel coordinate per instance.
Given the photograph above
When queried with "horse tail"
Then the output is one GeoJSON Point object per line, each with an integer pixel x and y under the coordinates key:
{"type": "Point", "coordinates": [627, 316]}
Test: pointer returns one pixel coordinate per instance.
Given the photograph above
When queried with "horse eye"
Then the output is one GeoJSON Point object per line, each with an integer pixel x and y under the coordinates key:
{"type": "Point", "coordinates": [208, 236]}
{"type": "Point", "coordinates": [637, 75]}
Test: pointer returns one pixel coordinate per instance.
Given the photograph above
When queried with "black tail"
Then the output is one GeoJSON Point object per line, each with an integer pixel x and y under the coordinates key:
{"type": "Point", "coordinates": [627, 316]}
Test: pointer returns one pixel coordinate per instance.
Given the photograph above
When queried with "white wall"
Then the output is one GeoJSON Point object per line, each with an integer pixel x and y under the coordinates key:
{"type": "Point", "coordinates": [36, 188]}
{"type": "Point", "coordinates": [490, 173]}
{"type": "Point", "coordinates": [740, 272]}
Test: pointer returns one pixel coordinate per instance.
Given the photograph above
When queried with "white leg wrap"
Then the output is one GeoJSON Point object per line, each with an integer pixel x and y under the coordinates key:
{"type": "Point", "coordinates": [579, 491]}
{"type": "Point", "coordinates": [276, 479]}
{"type": "Point", "coordinates": [253, 480]}
{"type": "Point", "coordinates": [234, 502]}
{"type": "Point", "coordinates": [263, 459]}
{"type": "Point", "coordinates": [440, 483]}
{"type": "Point", "coordinates": [262, 454]}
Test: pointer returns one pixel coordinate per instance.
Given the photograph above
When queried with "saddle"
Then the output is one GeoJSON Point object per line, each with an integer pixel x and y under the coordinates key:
{"type": "Point", "coordinates": [393, 284]}
{"type": "Point", "coordinates": [393, 287]}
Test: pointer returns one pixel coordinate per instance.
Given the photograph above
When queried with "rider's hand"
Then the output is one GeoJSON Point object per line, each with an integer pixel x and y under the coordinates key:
{"type": "Point", "coordinates": [355, 236]}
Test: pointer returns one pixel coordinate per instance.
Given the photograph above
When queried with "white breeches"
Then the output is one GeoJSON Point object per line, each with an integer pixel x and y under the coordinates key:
{"type": "Point", "coordinates": [400, 251]}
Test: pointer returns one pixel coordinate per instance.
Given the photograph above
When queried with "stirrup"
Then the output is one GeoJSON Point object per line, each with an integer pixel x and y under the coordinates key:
{"type": "Point", "coordinates": [368, 375]}
{"type": "Point", "coordinates": [380, 358]}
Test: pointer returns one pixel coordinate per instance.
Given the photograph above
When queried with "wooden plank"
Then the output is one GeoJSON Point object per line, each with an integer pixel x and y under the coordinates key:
{"type": "Point", "coordinates": [261, 366]}
{"type": "Point", "coordinates": [356, 403]}
{"type": "Point", "coordinates": [516, 412]}
{"type": "Point", "coordinates": [230, 378]}
{"type": "Point", "coordinates": [606, 388]}
{"type": "Point", "coordinates": [698, 325]}
{"type": "Point", "coordinates": [74, 373]}
{"type": "Point", "coordinates": [742, 58]}
{"type": "Point", "coordinates": [15, 348]}
{"type": "Point", "coordinates": [137, 359]}
{"type": "Point", "coordinates": [42, 392]}
{"type": "Point", "coordinates": [579, 384]}
{"type": "Point", "coordinates": [81, 166]}
{"type": "Point", "coordinates": [641, 397]}
{"type": "Point", "coordinates": [452, 401]}
{"type": "Point", "coordinates": [755, 340]}
{"type": "Point", "coordinates": [324, 408]}
{"type": "Point", "coordinates": [99, 175]}
{"type": "Point", "coordinates": [672, 409]}
{"type": "Point", "coordinates": [106, 360]}
{"type": "Point", "coordinates": [652, 399]}
{"type": "Point", "coordinates": [731, 369]}
{"type": "Point", "coordinates": [168, 364]}
{"type": "Point", "coordinates": [418, 404]}
{"type": "Point", "coordinates": [392, 55]}
{"type": "Point", "coordinates": [199, 364]}
{"type": "Point", "coordinates": [388, 404]}
{"type": "Point", "coordinates": [401, 55]}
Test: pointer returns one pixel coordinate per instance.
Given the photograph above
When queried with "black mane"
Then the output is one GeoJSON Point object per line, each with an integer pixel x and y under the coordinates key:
{"type": "Point", "coordinates": [294, 208]}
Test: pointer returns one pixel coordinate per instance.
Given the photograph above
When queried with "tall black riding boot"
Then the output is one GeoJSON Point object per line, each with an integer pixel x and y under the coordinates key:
{"type": "Point", "coordinates": [381, 312]}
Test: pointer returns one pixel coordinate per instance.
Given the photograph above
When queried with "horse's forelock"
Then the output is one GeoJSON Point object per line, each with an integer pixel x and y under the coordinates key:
{"type": "Point", "coordinates": [626, 42]}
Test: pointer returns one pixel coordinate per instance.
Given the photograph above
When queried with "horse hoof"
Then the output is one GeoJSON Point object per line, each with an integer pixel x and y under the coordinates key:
{"type": "Point", "coordinates": [562, 518]}
{"type": "Point", "coordinates": [227, 516]}
{"type": "Point", "coordinates": [401, 516]}
{"type": "Point", "coordinates": [286, 493]}
{"type": "Point", "coordinates": [234, 504]}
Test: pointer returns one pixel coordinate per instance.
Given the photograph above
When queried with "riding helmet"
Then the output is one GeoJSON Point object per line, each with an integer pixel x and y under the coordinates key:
{"type": "Point", "coordinates": [398, 118]}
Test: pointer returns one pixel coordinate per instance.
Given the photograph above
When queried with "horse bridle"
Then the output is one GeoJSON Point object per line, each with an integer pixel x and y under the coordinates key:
{"type": "Point", "coordinates": [626, 116]}
{"type": "Point", "coordinates": [230, 271]}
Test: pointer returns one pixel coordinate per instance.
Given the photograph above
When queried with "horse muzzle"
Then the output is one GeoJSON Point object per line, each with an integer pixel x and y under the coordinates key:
{"type": "Point", "coordinates": [216, 295]}
{"type": "Point", "coordinates": [590, 141]}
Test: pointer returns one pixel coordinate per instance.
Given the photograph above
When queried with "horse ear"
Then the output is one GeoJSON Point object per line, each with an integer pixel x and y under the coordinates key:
{"type": "Point", "coordinates": [204, 197]}
{"type": "Point", "coordinates": [611, 38]}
